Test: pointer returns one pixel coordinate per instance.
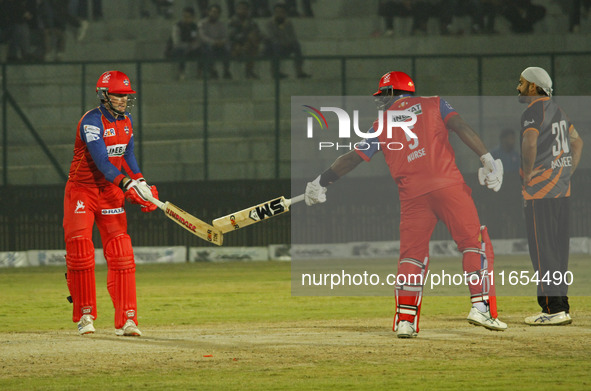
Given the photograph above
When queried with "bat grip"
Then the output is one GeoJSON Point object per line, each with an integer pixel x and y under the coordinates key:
{"type": "Point", "coordinates": [297, 199]}
{"type": "Point", "coordinates": [156, 202]}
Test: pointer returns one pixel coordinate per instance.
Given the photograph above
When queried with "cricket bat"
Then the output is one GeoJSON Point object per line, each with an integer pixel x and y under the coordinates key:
{"type": "Point", "coordinates": [255, 214]}
{"type": "Point", "coordinates": [189, 222]}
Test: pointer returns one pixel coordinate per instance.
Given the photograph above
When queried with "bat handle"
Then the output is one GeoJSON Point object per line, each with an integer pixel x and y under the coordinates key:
{"type": "Point", "coordinates": [156, 202]}
{"type": "Point", "coordinates": [297, 199]}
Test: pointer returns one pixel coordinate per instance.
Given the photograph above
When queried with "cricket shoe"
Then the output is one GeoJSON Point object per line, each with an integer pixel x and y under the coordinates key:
{"type": "Point", "coordinates": [129, 329]}
{"type": "Point", "coordinates": [484, 319]}
{"type": "Point", "coordinates": [85, 325]}
{"type": "Point", "coordinates": [543, 319]}
{"type": "Point", "coordinates": [405, 330]}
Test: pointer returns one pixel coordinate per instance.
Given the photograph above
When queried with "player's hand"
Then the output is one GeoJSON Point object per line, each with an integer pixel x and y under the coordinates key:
{"type": "Point", "coordinates": [315, 194]}
{"type": "Point", "coordinates": [491, 174]}
{"type": "Point", "coordinates": [152, 207]}
{"type": "Point", "coordinates": [137, 192]}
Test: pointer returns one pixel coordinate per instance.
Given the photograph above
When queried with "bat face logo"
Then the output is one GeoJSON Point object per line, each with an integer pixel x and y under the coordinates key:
{"type": "Point", "coordinates": [270, 209]}
{"type": "Point", "coordinates": [233, 222]}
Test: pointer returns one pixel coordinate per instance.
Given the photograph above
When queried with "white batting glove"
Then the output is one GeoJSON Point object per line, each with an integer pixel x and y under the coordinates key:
{"type": "Point", "coordinates": [491, 174]}
{"type": "Point", "coordinates": [315, 194]}
{"type": "Point", "coordinates": [143, 188]}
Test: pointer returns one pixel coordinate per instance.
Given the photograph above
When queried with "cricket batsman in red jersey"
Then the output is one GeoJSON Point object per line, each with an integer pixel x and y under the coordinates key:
{"type": "Point", "coordinates": [95, 193]}
{"type": "Point", "coordinates": [431, 188]}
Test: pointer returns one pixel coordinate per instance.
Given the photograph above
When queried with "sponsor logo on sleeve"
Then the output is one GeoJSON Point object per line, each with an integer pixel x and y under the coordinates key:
{"type": "Point", "coordinates": [109, 132]}
{"type": "Point", "coordinates": [527, 123]}
{"type": "Point", "coordinates": [91, 133]}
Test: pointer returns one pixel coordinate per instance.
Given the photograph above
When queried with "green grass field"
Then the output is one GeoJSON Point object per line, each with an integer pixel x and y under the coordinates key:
{"type": "Point", "coordinates": [234, 326]}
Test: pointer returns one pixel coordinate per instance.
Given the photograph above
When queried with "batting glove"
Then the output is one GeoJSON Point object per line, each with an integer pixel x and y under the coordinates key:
{"type": "Point", "coordinates": [152, 207]}
{"type": "Point", "coordinates": [137, 192]}
{"type": "Point", "coordinates": [491, 174]}
{"type": "Point", "coordinates": [315, 194]}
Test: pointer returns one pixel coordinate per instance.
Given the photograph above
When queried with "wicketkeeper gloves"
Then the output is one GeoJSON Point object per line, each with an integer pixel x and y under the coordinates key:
{"type": "Point", "coordinates": [491, 174]}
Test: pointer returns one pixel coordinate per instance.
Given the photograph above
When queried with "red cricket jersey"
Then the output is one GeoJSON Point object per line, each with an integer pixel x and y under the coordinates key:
{"type": "Point", "coordinates": [103, 143]}
{"type": "Point", "coordinates": [420, 165]}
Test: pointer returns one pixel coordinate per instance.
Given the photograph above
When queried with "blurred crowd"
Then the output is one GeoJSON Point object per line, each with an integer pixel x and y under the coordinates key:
{"type": "Point", "coordinates": [522, 15]}
{"type": "Point", "coordinates": [210, 39]}
{"type": "Point", "coordinates": [35, 30]}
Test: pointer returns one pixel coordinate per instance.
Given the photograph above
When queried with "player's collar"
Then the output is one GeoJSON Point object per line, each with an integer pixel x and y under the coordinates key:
{"type": "Point", "coordinates": [402, 97]}
{"type": "Point", "coordinates": [541, 98]}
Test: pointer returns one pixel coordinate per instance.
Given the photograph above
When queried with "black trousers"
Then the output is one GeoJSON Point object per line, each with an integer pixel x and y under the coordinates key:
{"type": "Point", "coordinates": [547, 223]}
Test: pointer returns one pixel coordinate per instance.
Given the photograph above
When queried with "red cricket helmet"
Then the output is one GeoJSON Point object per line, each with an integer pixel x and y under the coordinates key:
{"type": "Point", "coordinates": [114, 82]}
{"type": "Point", "coordinates": [395, 81]}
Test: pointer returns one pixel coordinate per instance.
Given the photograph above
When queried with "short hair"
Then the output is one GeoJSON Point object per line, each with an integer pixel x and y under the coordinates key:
{"type": "Point", "coordinates": [189, 10]}
{"type": "Point", "coordinates": [540, 91]}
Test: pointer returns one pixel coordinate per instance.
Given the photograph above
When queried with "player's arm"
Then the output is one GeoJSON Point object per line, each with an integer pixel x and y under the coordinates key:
{"type": "Point", "coordinates": [467, 134]}
{"type": "Point", "coordinates": [316, 190]}
{"type": "Point", "coordinates": [576, 145]}
{"type": "Point", "coordinates": [91, 133]}
{"type": "Point", "coordinates": [138, 191]}
{"type": "Point", "coordinates": [491, 174]}
{"type": "Point", "coordinates": [529, 151]}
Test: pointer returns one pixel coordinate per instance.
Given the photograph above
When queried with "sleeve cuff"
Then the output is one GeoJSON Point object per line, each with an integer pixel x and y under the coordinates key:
{"type": "Point", "coordinates": [118, 179]}
{"type": "Point", "coordinates": [136, 176]}
{"type": "Point", "coordinates": [447, 117]}
{"type": "Point", "coordinates": [363, 156]}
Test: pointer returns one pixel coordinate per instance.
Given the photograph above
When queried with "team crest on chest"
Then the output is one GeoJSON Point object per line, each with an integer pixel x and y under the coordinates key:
{"type": "Point", "coordinates": [126, 128]}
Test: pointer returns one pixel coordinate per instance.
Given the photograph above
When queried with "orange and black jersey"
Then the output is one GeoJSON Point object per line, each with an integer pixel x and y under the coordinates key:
{"type": "Point", "coordinates": [554, 155]}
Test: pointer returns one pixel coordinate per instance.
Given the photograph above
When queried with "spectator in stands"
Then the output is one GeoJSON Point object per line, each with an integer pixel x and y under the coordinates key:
{"type": "Point", "coordinates": [203, 7]}
{"type": "Point", "coordinates": [292, 9]}
{"type": "Point", "coordinates": [281, 41]}
{"type": "Point", "coordinates": [522, 15]}
{"type": "Point", "coordinates": [245, 37]}
{"type": "Point", "coordinates": [507, 153]}
{"type": "Point", "coordinates": [573, 9]}
{"type": "Point", "coordinates": [260, 8]}
{"type": "Point", "coordinates": [484, 13]}
{"type": "Point", "coordinates": [41, 26]}
{"type": "Point", "coordinates": [61, 19]}
{"type": "Point", "coordinates": [163, 8]}
{"type": "Point", "coordinates": [419, 11]}
{"type": "Point", "coordinates": [18, 14]}
{"type": "Point", "coordinates": [184, 42]}
{"type": "Point", "coordinates": [216, 46]}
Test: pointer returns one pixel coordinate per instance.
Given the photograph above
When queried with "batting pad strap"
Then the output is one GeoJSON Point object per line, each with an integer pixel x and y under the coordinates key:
{"type": "Point", "coordinates": [410, 288]}
{"type": "Point", "coordinates": [407, 309]}
{"type": "Point", "coordinates": [478, 298]}
{"type": "Point", "coordinates": [413, 261]}
{"type": "Point", "coordinates": [473, 250]}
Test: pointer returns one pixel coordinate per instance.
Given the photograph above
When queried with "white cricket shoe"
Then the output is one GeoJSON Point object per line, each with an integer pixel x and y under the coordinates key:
{"type": "Point", "coordinates": [129, 329]}
{"type": "Point", "coordinates": [405, 330]}
{"type": "Point", "coordinates": [484, 319]}
{"type": "Point", "coordinates": [543, 319]}
{"type": "Point", "coordinates": [85, 325]}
